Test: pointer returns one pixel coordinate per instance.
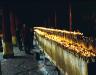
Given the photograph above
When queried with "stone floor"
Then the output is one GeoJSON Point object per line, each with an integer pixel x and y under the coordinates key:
{"type": "Point", "coordinates": [24, 64]}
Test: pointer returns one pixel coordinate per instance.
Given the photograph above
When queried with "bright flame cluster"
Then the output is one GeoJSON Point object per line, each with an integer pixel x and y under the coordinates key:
{"type": "Point", "coordinates": [57, 30]}
{"type": "Point", "coordinates": [72, 46]}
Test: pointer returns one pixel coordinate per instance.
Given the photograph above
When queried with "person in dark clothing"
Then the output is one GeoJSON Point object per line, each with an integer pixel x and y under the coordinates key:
{"type": "Point", "coordinates": [1, 48]}
{"type": "Point", "coordinates": [32, 37]}
{"type": "Point", "coordinates": [26, 38]}
{"type": "Point", "coordinates": [19, 40]}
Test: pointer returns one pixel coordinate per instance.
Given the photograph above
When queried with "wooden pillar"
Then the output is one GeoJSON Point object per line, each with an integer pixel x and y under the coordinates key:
{"type": "Point", "coordinates": [7, 41]}
{"type": "Point", "coordinates": [12, 26]}
{"type": "Point", "coordinates": [55, 20]}
{"type": "Point", "coordinates": [70, 17]}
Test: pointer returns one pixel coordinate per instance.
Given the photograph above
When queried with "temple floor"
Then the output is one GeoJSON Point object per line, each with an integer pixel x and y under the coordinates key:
{"type": "Point", "coordinates": [26, 64]}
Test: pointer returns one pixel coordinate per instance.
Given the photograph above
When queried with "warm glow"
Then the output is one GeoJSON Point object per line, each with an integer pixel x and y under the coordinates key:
{"type": "Point", "coordinates": [66, 41]}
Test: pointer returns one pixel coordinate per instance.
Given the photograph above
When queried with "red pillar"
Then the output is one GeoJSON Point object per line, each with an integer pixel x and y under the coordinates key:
{"type": "Point", "coordinates": [70, 17]}
{"type": "Point", "coordinates": [13, 30]}
{"type": "Point", "coordinates": [7, 42]}
{"type": "Point", "coordinates": [55, 20]}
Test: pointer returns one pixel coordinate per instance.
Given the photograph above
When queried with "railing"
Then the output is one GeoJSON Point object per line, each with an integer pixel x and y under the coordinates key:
{"type": "Point", "coordinates": [71, 52]}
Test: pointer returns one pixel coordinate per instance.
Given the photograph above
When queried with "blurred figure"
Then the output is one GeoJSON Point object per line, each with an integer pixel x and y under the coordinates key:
{"type": "Point", "coordinates": [32, 37]}
{"type": "Point", "coordinates": [26, 38]}
{"type": "Point", "coordinates": [18, 36]}
{"type": "Point", "coordinates": [1, 48]}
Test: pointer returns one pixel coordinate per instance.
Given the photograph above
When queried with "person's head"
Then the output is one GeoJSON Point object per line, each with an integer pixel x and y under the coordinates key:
{"type": "Point", "coordinates": [24, 25]}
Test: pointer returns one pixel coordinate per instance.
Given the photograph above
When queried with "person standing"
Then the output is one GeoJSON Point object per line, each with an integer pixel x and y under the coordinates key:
{"type": "Point", "coordinates": [18, 36]}
{"type": "Point", "coordinates": [26, 38]}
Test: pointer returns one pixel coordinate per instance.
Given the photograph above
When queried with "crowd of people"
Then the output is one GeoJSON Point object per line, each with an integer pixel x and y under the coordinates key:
{"type": "Point", "coordinates": [25, 38]}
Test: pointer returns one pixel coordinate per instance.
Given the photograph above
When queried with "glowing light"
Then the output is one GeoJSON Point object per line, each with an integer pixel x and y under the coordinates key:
{"type": "Point", "coordinates": [66, 40]}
